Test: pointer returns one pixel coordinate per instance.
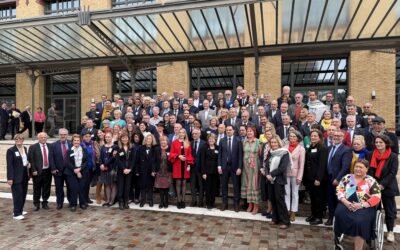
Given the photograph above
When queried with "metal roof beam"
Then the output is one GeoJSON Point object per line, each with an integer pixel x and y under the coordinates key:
{"type": "Point", "coordinates": [85, 20]}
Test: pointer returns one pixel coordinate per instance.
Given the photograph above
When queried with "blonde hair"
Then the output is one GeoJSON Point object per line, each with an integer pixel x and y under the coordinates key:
{"type": "Point", "coordinates": [186, 142]}
{"type": "Point", "coordinates": [153, 142]}
{"type": "Point", "coordinates": [361, 139]}
{"type": "Point", "coordinates": [278, 140]}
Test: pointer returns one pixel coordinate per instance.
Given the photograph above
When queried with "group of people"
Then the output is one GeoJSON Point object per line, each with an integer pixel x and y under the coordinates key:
{"type": "Point", "coordinates": [267, 148]}
{"type": "Point", "coordinates": [17, 122]}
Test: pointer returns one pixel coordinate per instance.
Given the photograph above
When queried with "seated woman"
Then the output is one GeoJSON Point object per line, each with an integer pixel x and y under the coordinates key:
{"type": "Point", "coordinates": [358, 193]}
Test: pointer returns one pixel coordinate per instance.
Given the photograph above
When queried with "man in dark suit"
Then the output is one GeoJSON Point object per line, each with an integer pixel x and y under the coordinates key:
{"type": "Point", "coordinates": [339, 160]}
{"type": "Point", "coordinates": [360, 122]}
{"type": "Point", "coordinates": [351, 127]}
{"type": "Point", "coordinates": [197, 101]}
{"type": "Point", "coordinates": [273, 110]}
{"type": "Point", "coordinates": [378, 127]}
{"type": "Point", "coordinates": [40, 156]}
{"type": "Point", "coordinates": [193, 109]}
{"type": "Point", "coordinates": [14, 114]}
{"type": "Point", "coordinates": [195, 171]}
{"type": "Point", "coordinates": [4, 118]}
{"type": "Point", "coordinates": [100, 105]}
{"type": "Point", "coordinates": [94, 115]}
{"type": "Point", "coordinates": [89, 127]}
{"type": "Point", "coordinates": [283, 131]}
{"type": "Point", "coordinates": [245, 119]}
{"type": "Point", "coordinates": [277, 120]}
{"type": "Point", "coordinates": [351, 101]}
{"type": "Point", "coordinates": [230, 162]}
{"type": "Point", "coordinates": [59, 151]}
{"type": "Point", "coordinates": [244, 98]}
{"type": "Point", "coordinates": [212, 103]}
{"type": "Point", "coordinates": [176, 110]}
{"type": "Point", "coordinates": [26, 119]}
{"type": "Point", "coordinates": [337, 113]}
{"type": "Point", "coordinates": [305, 129]}
{"type": "Point", "coordinates": [233, 120]}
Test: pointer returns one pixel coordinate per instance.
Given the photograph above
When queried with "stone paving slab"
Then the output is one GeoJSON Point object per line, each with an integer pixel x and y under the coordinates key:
{"type": "Point", "coordinates": [110, 228]}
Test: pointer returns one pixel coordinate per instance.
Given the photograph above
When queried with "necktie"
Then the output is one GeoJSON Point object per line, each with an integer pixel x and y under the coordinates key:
{"type": "Point", "coordinates": [176, 112]}
{"type": "Point", "coordinates": [351, 134]}
{"type": "Point", "coordinates": [233, 122]}
{"type": "Point", "coordinates": [64, 151]}
{"type": "Point", "coordinates": [45, 160]}
{"type": "Point", "coordinates": [285, 130]}
{"type": "Point", "coordinates": [229, 145]}
{"type": "Point", "coordinates": [195, 147]}
{"type": "Point", "coordinates": [251, 110]}
{"type": "Point", "coordinates": [332, 153]}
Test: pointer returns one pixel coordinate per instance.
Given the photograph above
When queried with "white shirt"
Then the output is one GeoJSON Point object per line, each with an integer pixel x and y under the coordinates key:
{"type": "Point", "coordinates": [47, 153]}
{"type": "Point", "coordinates": [196, 102]}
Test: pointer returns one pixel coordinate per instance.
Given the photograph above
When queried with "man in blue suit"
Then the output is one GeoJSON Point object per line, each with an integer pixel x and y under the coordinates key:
{"type": "Point", "coordinates": [59, 165]}
{"type": "Point", "coordinates": [230, 162]}
{"type": "Point", "coordinates": [339, 160]}
{"type": "Point", "coordinates": [195, 171]}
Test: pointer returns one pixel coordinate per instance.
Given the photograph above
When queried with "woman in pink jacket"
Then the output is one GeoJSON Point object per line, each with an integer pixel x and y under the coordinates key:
{"type": "Point", "coordinates": [40, 119]}
{"type": "Point", "coordinates": [295, 174]}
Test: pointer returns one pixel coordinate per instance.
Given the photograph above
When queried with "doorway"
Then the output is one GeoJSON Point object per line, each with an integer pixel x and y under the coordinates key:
{"type": "Point", "coordinates": [64, 91]}
{"type": "Point", "coordinates": [67, 113]}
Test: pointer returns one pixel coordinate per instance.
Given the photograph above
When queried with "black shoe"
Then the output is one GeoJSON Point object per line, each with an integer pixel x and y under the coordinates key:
{"type": "Point", "coordinates": [141, 204]}
{"type": "Point", "coordinates": [83, 207]}
{"type": "Point", "coordinates": [201, 204]}
{"type": "Point", "coordinates": [183, 205]}
{"type": "Point", "coordinates": [45, 206]}
{"type": "Point", "coordinates": [36, 208]}
{"type": "Point", "coordinates": [151, 204]}
{"type": "Point", "coordinates": [269, 216]}
{"type": "Point", "coordinates": [126, 206]}
{"type": "Point", "coordinates": [59, 206]}
{"type": "Point", "coordinates": [224, 207]}
{"type": "Point", "coordinates": [193, 204]}
{"type": "Point", "coordinates": [329, 222]}
{"type": "Point", "coordinates": [90, 201]}
{"type": "Point", "coordinates": [121, 206]}
{"type": "Point", "coordinates": [160, 206]}
{"type": "Point", "coordinates": [73, 209]}
{"type": "Point", "coordinates": [105, 205]}
{"type": "Point", "coordinates": [316, 221]}
{"type": "Point", "coordinates": [236, 208]}
{"type": "Point", "coordinates": [310, 218]}
{"type": "Point", "coordinates": [179, 205]}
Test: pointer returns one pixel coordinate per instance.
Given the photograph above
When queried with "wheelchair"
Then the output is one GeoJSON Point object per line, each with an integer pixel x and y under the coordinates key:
{"type": "Point", "coordinates": [376, 244]}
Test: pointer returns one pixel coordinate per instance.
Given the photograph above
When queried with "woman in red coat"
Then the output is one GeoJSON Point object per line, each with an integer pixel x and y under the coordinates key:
{"type": "Point", "coordinates": [181, 158]}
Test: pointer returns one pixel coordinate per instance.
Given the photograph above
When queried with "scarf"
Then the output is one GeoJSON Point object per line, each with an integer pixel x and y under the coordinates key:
{"type": "Point", "coordinates": [78, 156]}
{"type": "Point", "coordinates": [381, 158]}
{"type": "Point", "coordinates": [275, 160]}
{"type": "Point", "coordinates": [326, 123]}
{"type": "Point", "coordinates": [292, 146]}
{"type": "Point", "coordinates": [361, 153]}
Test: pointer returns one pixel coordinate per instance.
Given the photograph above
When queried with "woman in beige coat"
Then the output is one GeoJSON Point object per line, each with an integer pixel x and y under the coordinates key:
{"type": "Point", "coordinates": [295, 174]}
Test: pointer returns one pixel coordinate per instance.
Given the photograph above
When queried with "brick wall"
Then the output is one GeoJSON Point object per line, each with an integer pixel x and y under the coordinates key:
{"type": "Point", "coordinates": [24, 91]}
{"type": "Point", "coordinates": [95, 81]}
{"type": "Point", "coordinates": [374, 71]}
{"type": "Point", "coordinates": [96, 4]}
{"type": "Point", "coordinates": [269, 78]}
{"type": "Point", "coordinates": [26, 9]}
{"type": "Point", "coordinates": [174, 76]}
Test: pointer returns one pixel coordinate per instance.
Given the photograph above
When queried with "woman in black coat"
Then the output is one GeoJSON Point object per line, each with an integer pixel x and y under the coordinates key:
{"type": "Point", "coordinates": [383, 167]}
{"type": "Point", "coordinates": [277, 163]}
{"type": "Point", "coordinates": [147, 160]}
{"type": "Point", "coordinates": [17, 175]}
{"type": "Point", "coordinates": [314, 176]}
{"type": "Point", "coordinates": [209, 169]}
{"type": "Point", "coordinates": [125, 159]}
{"type": "Point", "coordinates": [76, 164]}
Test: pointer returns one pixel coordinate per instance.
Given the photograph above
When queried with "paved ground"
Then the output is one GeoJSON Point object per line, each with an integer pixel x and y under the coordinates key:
{"type": "Point", "coordinates": [110, 228]}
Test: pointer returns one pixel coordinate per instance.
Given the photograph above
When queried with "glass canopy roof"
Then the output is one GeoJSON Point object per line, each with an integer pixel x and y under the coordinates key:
{"type": "Point", "coordinates": [199, 26]}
